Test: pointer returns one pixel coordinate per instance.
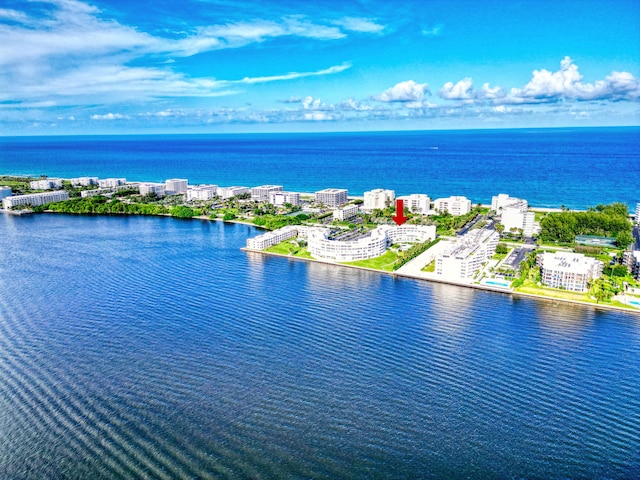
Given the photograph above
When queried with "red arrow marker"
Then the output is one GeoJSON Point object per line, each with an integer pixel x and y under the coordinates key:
{"type": "Point", "coordinates": [399, 217]}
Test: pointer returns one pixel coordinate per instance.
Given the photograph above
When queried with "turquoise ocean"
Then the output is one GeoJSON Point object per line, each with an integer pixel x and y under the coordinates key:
{"type": "Point", "coordinates": [144, 347]}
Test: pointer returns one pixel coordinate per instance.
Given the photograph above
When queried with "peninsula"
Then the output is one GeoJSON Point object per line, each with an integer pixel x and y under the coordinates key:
{"type": "Point", "coordinates": [590, 257]}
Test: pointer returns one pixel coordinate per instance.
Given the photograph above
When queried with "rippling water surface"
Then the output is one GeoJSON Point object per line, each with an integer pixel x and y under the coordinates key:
{"type": "Point", "coordinates": [154, 347]}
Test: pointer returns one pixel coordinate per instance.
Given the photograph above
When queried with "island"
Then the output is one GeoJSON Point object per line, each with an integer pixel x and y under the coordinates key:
{"type": "Point", "coordinates": [589, 257]}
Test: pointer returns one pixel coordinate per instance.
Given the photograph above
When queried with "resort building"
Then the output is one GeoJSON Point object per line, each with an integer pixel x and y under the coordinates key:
{"type": "Point", "coordinates": [147, 188]}
{"type": "Point", "coordinates": [514, 218]}
{"type": "Point", "coordinates": [201, 192]}
{"type": "Point", "coordinates": [454, 205]}
{"type": "Point", "coordinates": [229, 192]}
{"type": "Point", "coordinates": [378, 198]}
{"type": "Point", "coordinates": [269, 239]}
{"type": "Point", "coordinates": [35, 199]}
{"type": "Point", "coordinates": [84, 181]}
{"type": "Point", "coordinates": [261, 193]}
{"type": "Point", "coordinates": [638, 213]}
{"type": "Point", "coordinates": [410, 233]}
{"type": "Point", "coordinates": [5, 192]}
{"type": "Point", "coordinates": [331, 197]}
{"type": "Point", "coordinates": [571, 271]}
{"type": "Point", "coordinates": [176, 186]}
{"type": "Point", "coordinates": [345, 213]}
{"type": "Point", "coordinates": [417, 203]}
{"type": "Point", "coordinates": [108, 191]}
{"type": "Point", "coordinates": [46, 184]}
{"type": "Point", "coordinates": [467, 254]}
{"type": "Point", "coordinates": [280, 198]}
{"type": "Point", "coordinates": [502, 200]}
{"type": "Point", "coordinates": [111, 182]}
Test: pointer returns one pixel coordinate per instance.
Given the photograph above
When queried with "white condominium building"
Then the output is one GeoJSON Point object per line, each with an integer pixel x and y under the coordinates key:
{"type": "Point", "coordinates": [467, 254]}
{"type": "Point", "coordinates": [346, 212]}
{"type": "Point", "coordinates": [454, 205]}
{"type": "Point", "coordinates": [513, 217]}
{"type": "Point", "coordinates": [262, 192]}
{"type": "Point", "coordinates": [370, 246]}
{"type": "Point", "coordinates": [378, 198]}
{"type": "Point", "coordinates": [268, 239]}
{"type": "Point", "coordinates": [147, 188]}
{"type": "Point", "coordinates": [502, 201]}
{"type": "Point", "coordinates": [280, 198]}
{"type": "Point", "coordinates": [230, 192]}
{"type": "Point", "coordinates": [417, 203]}
{"type": "Point", "coordinates": [176, 186]}
{"type": "Point", "coordinates": [571, 271]}
{"type": "Point", "coordinates": [5, 192]}
{"type": "Point", "coordinates": [46, 184]}
{"type": "Point", "coordinates": [331, 197]}
{"type": "Point", "coordinates": [410, 233]}
{"type": "Point", "coordinates": [84, 181]}
{"type": "Point", "coordinates": [35, 199]}
{"type": "Point", "coordinates": [638, 213]}
{"type": "Point", "coordinates": [201, 192]}
{"type": "Point", "coordinates": [111, 182]}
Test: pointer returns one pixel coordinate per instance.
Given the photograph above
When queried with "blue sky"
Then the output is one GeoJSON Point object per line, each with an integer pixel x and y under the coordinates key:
{"type": "Point", "coordinates": [191, 66]}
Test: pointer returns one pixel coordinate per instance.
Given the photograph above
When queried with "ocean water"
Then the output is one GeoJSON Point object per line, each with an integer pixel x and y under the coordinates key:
{"type": "Point", "coordinates": [577, 168]}
{"type": "Point", "coordinates": [155, 348]}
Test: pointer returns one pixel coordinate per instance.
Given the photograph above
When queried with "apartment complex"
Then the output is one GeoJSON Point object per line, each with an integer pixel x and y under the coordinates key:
{"type": "Point", "coordinates": [331, 197]}
{"type": "Point", "coordinates": [46, 184]}
{"type": "Point", "coordinates": [514, 213]}
{"type": "Point", "coordinates": [201, 192]}
{"type": "Point", "coordinates": [417, 203]}
{"type": "Point", "coordinates": [111, 182]}
{"type": "Point", "coordinates": [503, 200]}
{"type": "Point", "coordinates": [269, 239]}
{"type": "Point", "coordinates": [345, 213]}
{"type": "Point", "coordinates": [157, 188]}
{"type": "Point", "coordinates": [176, 186]}
{"type": "Point", "coordinates": [378, 198]}
{"type": "Point", "coordinates": [262, 192]}
{"type": "Point", "coordinates": [467, 254]}
{"type": "Point", "coordinates": [84, 181]}
{"type": "Point", "coordinates": [35, 199]}
{"type": "Point", "coordinates": [454, 205]}
{"type": "Point", "coordinates": [571, 271]}
{"type": "Point", "coordinates": [280, 198]}
{"type": "Point", "coordinates": [230, 192]}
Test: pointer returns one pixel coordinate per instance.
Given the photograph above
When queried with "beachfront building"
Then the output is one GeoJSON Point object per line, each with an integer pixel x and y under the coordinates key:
{"type": "Point", "coordinates": [467, 254]}
{"type": "Point", "coordinates": [502, 200]}
{"type": "Point", "coordinates": [176, 186]}
{"type": "Point", "coordinates": [35, 199]}
{"type": "Point", "coordinates": [148, 188]}
{"type": "Point", "coordinates": [111, 182]}
{"type": "Point", "coordinates": [229, 192]}
{"type": "Point", "coordinates": [632, 261]}
{"type": "Point", "coordinates": [410, 233]}
{"type": "Point", "coordinates": [417, 203]}
{"type": "Point", "coordinates": [378, 199]}
{"type": "Point", "coordinates": [261, 193]}
{"type": "Point", "coordinates": [345, 213]}
{"type": "Point", "coordinates": [568, 270]}
{"type": "Point", "coordinates": [201, 192]}
{"type": "Point", "coordinates": [269, 239]}
{"type": "Point", "coordinates": [5, 192]}
{"type": "Point", "coordinates": [46, 184]}
{"type": "Point", "coordinates": [84, 181]}
{"type": "Point", "coordinates": [454, 205]}
{"type": "Point", "coordinates": [331, 197]}
{"type": "Point", "coordinates": [638, 213]}
{"type": "Point", "coordinates": [280, 198]}
{"type": "Point", "coordinates": [132, 187]}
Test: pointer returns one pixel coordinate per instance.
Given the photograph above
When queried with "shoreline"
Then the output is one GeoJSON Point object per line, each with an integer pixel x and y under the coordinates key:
{"type": "Point", "coordinates": [449, 282]}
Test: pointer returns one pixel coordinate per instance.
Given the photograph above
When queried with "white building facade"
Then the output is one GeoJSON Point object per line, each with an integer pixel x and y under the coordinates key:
{"type": "Point", "coordinates": [331, 197]}
{"type": "Point", "coordinates": [229, 192]}
{"type": "Point", "coordinates": [35, 199]}
{"type": "Point", "coordinates": [201, 192]}
{"type": "Point", "coordinates": [147, 188]}
{"type": "Point", "coordinates": [46, 184]}
{"type": "Point", "coordinates": [568, 270]}
{"type": "Point", "coordinates": [111, 182]}
{"type": "Point", "coordinates": [261, 193]}
{"type": "Point", "coordinates": [503, 200]}
{"type": "Point", "coordinates": [417, 203]}
{"type": "Point", "coordinates": [345, 213]}
{"type": "Point", "coordinates": [280, 198]}
{"type": "Point", "coordinates": [456, 205]}
{"type": "Point", "coordinates": [467, 254]}
{"type": "Point", "coordinates": [378, 199]}
{"type": "Point", "coordinates": [84, 181]}
{"type": "Point", "coordinates": [176, 186]}
{"type": "Point", "coordinates": [269, 239]}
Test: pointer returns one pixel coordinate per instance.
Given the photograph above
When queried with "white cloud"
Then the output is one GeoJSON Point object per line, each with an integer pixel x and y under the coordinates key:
{"type": "Point", "coordinates": [408, 91]}
{"type": "Point", "coordinates": [362, 25]}
{"type": "Point", "coordinates": [12, 15]}
{"type": "Point", "coordinates": [434, 31]}
{"type": "Point", "coordinates": [109, 116]}
{"type": "Point", "coordinates": [566, 84]}
{"type": "Point", "coordinates": [292, 75]}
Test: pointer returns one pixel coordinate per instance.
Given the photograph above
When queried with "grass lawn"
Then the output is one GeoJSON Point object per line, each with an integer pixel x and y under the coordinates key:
{"type": "Point", "coordinates": [383, 262]}
{"type": "Point", "coordinates": [289, 248]}
{"type": "Point", "coordinates": [530, 287]}
{"type": "Point", "coordinates": [499, 256]}
{"type": "Point", "coordinates": [430, 268]}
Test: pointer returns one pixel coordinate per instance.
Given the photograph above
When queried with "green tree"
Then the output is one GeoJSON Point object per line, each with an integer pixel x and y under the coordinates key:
{"type": "Point", "coordinates": [624, 238]}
